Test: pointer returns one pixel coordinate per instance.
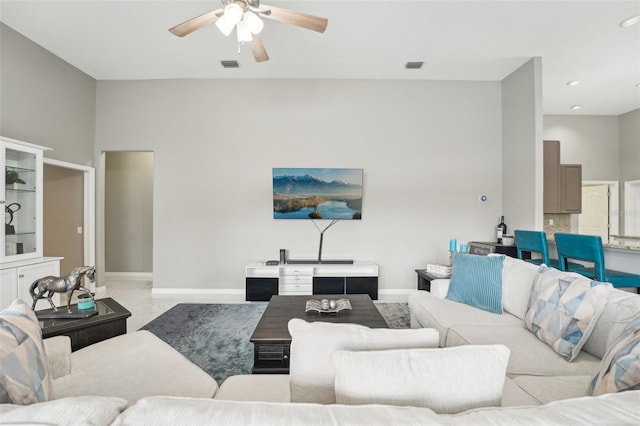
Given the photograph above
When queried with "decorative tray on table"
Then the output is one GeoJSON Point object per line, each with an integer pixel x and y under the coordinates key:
{"type": "Point", "coordinates": [327, 306]}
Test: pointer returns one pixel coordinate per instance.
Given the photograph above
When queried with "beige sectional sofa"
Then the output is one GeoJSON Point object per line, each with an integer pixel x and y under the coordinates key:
{"type": "Point", "coordinates": [137, 379]}
{"type": "Point", "coordinates": [537, 374]}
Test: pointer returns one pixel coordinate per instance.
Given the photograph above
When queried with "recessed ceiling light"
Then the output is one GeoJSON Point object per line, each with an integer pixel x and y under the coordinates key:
{"type": "Point", "coordinates": [575, 107]}
{"type": "Point", "coordinates": [230, 64]}
{"type": "Point", "coordinates": [573, 83]}
{"type": "Point", "coordinates": [630, 21]}
{"type": "Point", "coordinates": [413, 65]}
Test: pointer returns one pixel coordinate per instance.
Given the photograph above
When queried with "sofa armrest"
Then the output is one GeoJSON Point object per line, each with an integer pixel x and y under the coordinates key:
{"type": "Point", "coordinates": [440, 287]}
{"type": "Point", "coordinates": [58, 351]}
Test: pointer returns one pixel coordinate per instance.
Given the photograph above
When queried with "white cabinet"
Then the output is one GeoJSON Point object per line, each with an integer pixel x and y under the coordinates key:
{"type": "Point", "coordinates": [297, 280]}
{"type": "Point", "coordinates": [17, 277]}
{"type": "Point", "coordinates": [21, 200]}
{"type": "Point", "coordinates": [21, 261]}
{"type": "Point", "coordinates": [264, 281]}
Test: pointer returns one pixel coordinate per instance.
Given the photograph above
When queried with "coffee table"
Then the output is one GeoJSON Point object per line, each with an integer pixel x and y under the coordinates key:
{"type": "Point", "coordinates": [110, 321]}
{"type": "Point", "coordinates": [272, 341]}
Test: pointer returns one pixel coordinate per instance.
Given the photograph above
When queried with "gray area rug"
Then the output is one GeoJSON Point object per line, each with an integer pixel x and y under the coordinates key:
{"type": "Point", "coordinates": [215, 337]}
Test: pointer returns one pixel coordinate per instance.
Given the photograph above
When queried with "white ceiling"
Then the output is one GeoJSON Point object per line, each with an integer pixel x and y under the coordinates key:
{"type": "Point", "coordinates": [457, 40]}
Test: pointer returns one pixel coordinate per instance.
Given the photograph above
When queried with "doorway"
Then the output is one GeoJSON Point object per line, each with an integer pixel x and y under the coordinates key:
{"type": "Point", "coordinates": [599, 209]}
{"type": "Point", "coordinates": [69, 214]}
{"type": "Point", "coordinates": [128, 214]}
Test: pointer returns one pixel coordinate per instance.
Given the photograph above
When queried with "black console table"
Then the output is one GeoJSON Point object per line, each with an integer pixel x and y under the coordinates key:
{"type": "Point", "coordinates": [110, 321]}
{"type": "Point", "coordinates": [425, 278]}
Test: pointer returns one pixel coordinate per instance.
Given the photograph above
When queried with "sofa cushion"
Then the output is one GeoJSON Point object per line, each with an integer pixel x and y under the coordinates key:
{"type": "Point", "coordinates": [255, 387]}
{"type": "Point", "coordinates": [528, 354]}
{"type": "Point", "coordinates": [75, 411]}
{"type": "Point", "coordinates": [477, 281]}
{"type": "Point", "coordinates": [313, 343]}
{"type": "Point", "coordinates": [443, 314]}
{"type": "Point", "coordinates": [447, 380]}
{"type": "Point", "coordinates": [608, 410]}
{"type": "Point", "coordinates": [514, 396]}
{"type": "Point", "coordinates": [132, 366]}
{"type": "Point", "coordinates": [24, 369]}
{"type": "Point", "coordinates": [620, 367]}
{"type": "Point", "coordinates": [165, 411]}
{"type": "Point", "coordinates": [546, 389]}
{"type": "Point", "coordinates": [564, 308]}
{"type": "Point", "coordinates": [517, 280]}
{"type": "Point", "coordinates": [621, 308]}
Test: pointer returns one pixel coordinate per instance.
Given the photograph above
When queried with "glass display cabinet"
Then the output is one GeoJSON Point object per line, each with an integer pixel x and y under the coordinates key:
{"type": "Point", "coordinates": [21, 200]}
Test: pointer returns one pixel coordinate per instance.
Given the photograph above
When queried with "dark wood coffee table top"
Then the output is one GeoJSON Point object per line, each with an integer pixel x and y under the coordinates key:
{"type": "Point", "coordinates": [273, 324]}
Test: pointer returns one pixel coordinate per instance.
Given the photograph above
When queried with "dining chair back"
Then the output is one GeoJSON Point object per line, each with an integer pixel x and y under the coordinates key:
{"type": "Point", "coordinates": [532, 242]}
{"type": "Point", "coordinates": [589, 248]}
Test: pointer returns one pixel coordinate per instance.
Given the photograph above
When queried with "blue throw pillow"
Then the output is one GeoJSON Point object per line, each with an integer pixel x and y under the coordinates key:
{"type": "Point", "coordinates": [477, 281]}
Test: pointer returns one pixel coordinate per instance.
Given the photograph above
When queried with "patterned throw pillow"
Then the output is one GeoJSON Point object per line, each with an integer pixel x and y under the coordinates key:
{"type": "Point", "coordinates": [477, 281]}
{"type": "Point", "coordinates": [620, 367]}
{"type": "Point", "coordinates": [24, 377]}
{"type": "Point", "coordinates": [564, 308]}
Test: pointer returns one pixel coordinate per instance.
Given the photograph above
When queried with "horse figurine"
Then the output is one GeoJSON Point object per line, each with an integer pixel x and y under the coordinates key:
{"type": "Point", "coordinates": [48, 285]}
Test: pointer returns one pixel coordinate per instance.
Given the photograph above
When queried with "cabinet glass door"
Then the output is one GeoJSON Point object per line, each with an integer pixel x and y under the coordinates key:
{"type": "Point", "coordinates": [22, 199]}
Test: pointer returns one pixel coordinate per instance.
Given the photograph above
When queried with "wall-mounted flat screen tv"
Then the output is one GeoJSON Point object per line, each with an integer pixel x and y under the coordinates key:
{"type": "Point", "coordinates": [302, 193]}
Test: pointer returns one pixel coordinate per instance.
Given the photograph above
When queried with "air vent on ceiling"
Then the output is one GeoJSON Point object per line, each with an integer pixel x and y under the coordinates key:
{"type": "Point", "coordinates": [413, 65]}
{"type": "Point", "coordinates": [230, 64]}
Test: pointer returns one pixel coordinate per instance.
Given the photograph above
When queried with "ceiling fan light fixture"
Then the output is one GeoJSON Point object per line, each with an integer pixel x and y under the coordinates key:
{"type": "Point", "coordinates": [244, 34]}
{"type": "Point", "coordinates": [253, 22]}
{"type": "Point", "coordinates": [233, 12]}
{"type": "Point", "coordinates": [225, 25]}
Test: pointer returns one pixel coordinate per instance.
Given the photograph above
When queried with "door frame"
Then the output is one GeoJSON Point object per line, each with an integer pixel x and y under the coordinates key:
{"type": "Point", "coordinates": [89, 208]}
{"type": "Point", "coordinates": [627, 185]}
{"type": "Point", "coordinates": [614, 204]}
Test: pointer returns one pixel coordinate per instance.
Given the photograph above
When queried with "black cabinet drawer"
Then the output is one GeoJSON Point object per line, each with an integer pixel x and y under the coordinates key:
{"type": "Point", "coordinates": [328, 285]}
{"type": "Point", "coordinates": [270, 358]}
{"type": "Point", "coordinates": [261, 289]}
{"type": "Point", "coordinates": [363, 285]}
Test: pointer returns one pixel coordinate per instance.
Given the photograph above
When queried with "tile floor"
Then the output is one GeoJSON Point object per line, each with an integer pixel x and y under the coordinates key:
{"type": "Point", "coordinates": [135, 295]}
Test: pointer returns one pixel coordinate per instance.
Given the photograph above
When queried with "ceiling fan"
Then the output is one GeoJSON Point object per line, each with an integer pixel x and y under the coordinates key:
{"type": "Point", "coordinates": [245, 16]}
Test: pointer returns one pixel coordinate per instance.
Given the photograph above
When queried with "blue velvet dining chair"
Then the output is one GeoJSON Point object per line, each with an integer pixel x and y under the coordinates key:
{"type": "Point", "coordinates": [589, 248]}
{"type": "Point", "coordinates": [529, 242]}
{"type": "Point", "coordinates": [532, 242]}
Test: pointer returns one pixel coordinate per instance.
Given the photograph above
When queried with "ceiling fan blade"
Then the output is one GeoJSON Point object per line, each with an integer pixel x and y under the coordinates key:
{"type": "Point", "coordinates": [196, 23]}
{"type": "Point", "coordinates": [304, 20]}
{"type": "Point", "coordinates": [258, 50]}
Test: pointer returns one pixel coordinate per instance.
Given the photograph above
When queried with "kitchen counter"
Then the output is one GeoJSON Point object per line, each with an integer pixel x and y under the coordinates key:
{"type": "Point", "coordinates": [620, 258]}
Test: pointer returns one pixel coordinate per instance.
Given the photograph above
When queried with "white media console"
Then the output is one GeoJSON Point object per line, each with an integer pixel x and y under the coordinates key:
{"type": "Point", "coordinates": [264, 281]}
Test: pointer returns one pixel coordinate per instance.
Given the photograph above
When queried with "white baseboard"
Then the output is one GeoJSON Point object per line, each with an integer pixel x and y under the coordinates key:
{"type": "Point", "coordinates": [395, 291]}
{"type": "Point", "coordinates": [195, 291]}
{"type": "Point", "coordinates": [384, 293]}
{"type": "Point", "coordinates": [145, 276]}
{"type": "Point", "coordinates": [394, 295]}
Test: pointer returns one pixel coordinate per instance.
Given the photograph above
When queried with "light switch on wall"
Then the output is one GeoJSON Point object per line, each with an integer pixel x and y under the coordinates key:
{"type": "Point", "coordinates": [79, 230]}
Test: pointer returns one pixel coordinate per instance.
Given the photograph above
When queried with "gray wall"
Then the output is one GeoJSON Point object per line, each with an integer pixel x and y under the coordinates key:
{"type": "Point", "coordinates": [129, 212]}
{"type": "Point", "coordinates": [522, 147]}
{"type": "Point", "coordinates": [590, 140]}
{"type": "Point", "coordinates": [44, 100]}
{"type": "Point", "coordinates": [629, 125]}
{"type": "Point", "coordinates": [215, 143]}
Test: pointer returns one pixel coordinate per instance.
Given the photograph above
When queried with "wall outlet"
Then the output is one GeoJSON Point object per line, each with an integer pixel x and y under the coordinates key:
{"type": "Point", "coordinates": [550, 221]}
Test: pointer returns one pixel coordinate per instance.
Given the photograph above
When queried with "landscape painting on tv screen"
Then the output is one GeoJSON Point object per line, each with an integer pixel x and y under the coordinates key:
{"type": "Point", "coordinates": [317, 193]}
